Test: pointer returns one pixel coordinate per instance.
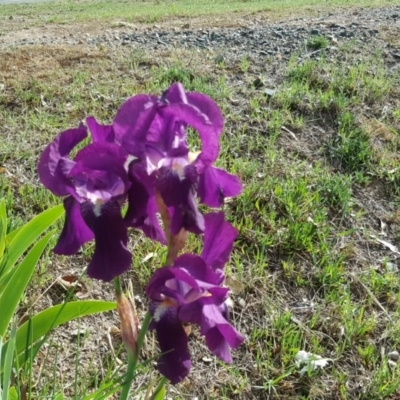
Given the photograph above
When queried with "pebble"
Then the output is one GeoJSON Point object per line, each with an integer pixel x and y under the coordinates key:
{"type": "Point", "coordinates": [258, 83]}
{"type": "Point", "coordinates": [394, 355]}
{"type": "Point", "coordinates": [219, 59]}
{"type": "Point", "coordinates": [78, 332]}
{"type": "Point", "coordinates": [241, 302]}
{"type": "Point", "coordinates": [269, 92]}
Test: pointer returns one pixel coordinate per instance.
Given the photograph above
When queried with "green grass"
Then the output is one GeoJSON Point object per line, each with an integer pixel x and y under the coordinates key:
{"type": "Point", "coordinates": [317, 42]}
{"type": "Point", "coordinates": [307, 271]}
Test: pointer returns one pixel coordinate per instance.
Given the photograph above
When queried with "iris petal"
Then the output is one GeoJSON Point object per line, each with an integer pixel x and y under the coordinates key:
{"type": "Point", "coordinates": [111, 257]}
{"type": "Point", "coordinates": [133, 121]}
{"type": "Point", "coordinates": [187, 216]}
{"type": "Point", "coordinates": [100, 133]}
{"type": "Point", "coordinates": [220, 335]}
{"type": "Point", "coordinates": [75, 231]}
{"type": "Point", "coordinates": [215, 184]}
{"type": "Point", "coordinates": [179, 196]}
{"type": "Point", "coordinates": [209, 134]}
{"type": "Point", "coordinates": [174, 362]}
{"type": "Point", "coordinates": [202, 113]}
{"type": "Point", "coordinates": [142, 207]}
{"type": "Point", "coordinates": [157, 287]}
{"type": "Point", "coordinates": [52, 163]}
{"type": "Point", "coordinates": [207, 107]}
{"type": "Point", "coordinates": [219, 237]}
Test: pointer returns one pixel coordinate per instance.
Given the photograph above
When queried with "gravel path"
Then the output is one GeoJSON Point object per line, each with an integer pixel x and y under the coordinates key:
{"type": "Point", "coordinates": [257, 37]}
{"type": "Point", "coordinates": [281, 37]}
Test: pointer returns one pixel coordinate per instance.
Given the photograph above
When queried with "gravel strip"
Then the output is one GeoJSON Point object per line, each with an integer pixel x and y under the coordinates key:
{"type": "Point", "coordinates": [283, 38]}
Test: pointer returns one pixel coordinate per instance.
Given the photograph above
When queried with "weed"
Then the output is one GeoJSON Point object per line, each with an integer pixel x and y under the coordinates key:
{"type": "Point", "coordinates": [335, 191]}
{"type": "Point", "coordinates": [244, 64]}
{"type": "Point", "coordinates": [351, 146]}
{"type": "Point", "coordinates": [317, 42]}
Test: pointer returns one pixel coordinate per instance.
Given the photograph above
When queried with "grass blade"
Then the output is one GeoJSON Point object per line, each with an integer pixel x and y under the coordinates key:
{"type": "Point", "coordinates": [8, 362]}
{"type": "Point", "coordinates": [30, 232]}
{"type": "Point", "coordinates": [11, 295]}
{"type": "Point", "coordinates": [51, 318]}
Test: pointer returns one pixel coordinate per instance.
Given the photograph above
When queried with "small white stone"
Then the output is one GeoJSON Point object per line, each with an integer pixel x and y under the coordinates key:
{"type": "Point", "coordinates": [241, 302]}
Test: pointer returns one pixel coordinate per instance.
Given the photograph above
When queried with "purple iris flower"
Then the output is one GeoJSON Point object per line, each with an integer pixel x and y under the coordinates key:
{"type": "Point", "coordinates": [190, 291]}
{"type": "Point", "coordinates": [154, 130]}
{"type": "Point", "coordinates": [95, 184]}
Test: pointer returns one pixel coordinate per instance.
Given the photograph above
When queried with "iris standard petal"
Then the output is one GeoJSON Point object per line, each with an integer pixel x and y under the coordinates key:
{"type": "Point", "coordinates": [53, 164]}
{"type": "Point", "coordinates": [133, 121]}
{"type": "Point", "coordinates": [111, 257]}
{"type": "Point", "coordinates": [219, 236]}
{"type": "Point", "coordinates": [99, 132]}
{"type": "Point", "coordinates": [175, 94]}
{"type": "Point", "coordinates": [207, 107]}
{"type": "Point", "coordinates": [197, 268]}
{"type": "Point", "coordinates": [203, 111]}
{"type": "Point", "coordinates": [215, 184]}
{"type": "Point", "coordinates": [167, 133]}
{"type": "Point", "coordinates": [75, 231]}
{"type": "Point", "coordinates": [200, 112]}
{"type": "Point", "coordinates": [209, 134]}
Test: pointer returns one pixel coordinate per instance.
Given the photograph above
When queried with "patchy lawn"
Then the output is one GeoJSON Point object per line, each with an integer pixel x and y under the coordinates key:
{"type": "Point", "coordinates": [315, 266]}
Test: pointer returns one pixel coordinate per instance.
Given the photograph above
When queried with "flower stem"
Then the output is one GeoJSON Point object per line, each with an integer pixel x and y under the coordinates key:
{"type": "Point", "coordinates": [117, 286]}
{"type": "Point", "coordinates": [130, 373]}
{"type": "Point", "coordinates": [143, 330]}
{"type": "Point", "coordinates": [133, 358]}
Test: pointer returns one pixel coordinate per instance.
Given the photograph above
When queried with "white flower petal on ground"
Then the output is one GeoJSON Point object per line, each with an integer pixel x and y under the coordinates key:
{"type": "Point", "coordinates": [310, 362]}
